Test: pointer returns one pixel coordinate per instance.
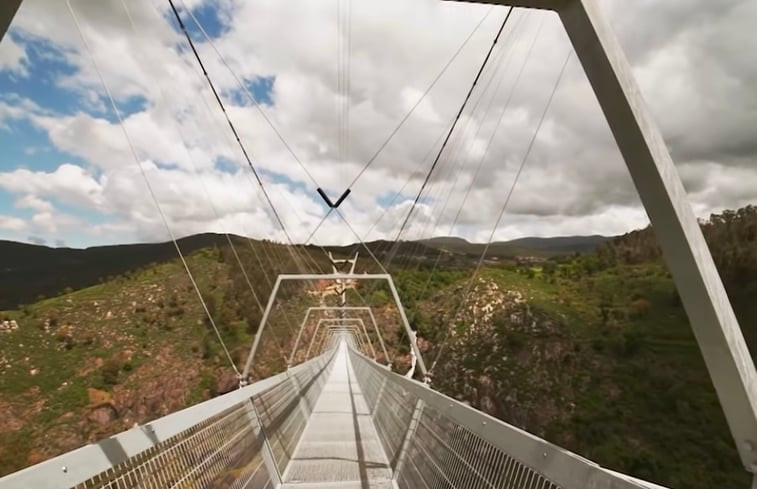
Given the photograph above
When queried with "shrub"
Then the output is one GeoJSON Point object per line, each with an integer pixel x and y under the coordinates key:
{"type": "Point", "coordinates": [175, 311]}
{"type": "Point", "coordinates": [210, 303]}
{"type": "Point", "coordinates": [110, 370]}
{"type": "Point", "coordinates": [640, 307]}
{"type": "Point", "coordinates": [516, 340]}
{"type": "Point", "coordinates": [632, 343]}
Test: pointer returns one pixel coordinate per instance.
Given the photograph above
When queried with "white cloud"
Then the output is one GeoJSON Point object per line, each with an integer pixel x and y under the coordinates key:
{"type": "Point", "coordinates": [13, 57]}
{"type": "Point", "coordinates": [68, 184]}
{"type": "Point", "coordinates": [574, 180]}
{"type": "Point", "coordinates": [35, 203]}
{"type": "Point", "coordinates": [10, 223]}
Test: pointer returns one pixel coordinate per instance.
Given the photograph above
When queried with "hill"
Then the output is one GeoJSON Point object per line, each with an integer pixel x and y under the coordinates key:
{"type": "Point", "coordinates": [591, 351]}
{"type": "Point", "coordinates": [92, 362]}
{"type": "Point", "coordinates": [521, 247]}
{"type": "Point", "coordinates": [561, 244]}
{"type": "Point", "coordinates": [29, 271]}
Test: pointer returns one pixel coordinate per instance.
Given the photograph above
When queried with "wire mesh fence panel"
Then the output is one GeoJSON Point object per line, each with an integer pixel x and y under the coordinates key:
{"type": "Point", "coordinates": [392, 406]}
{"type": "Point", "coordinates": [436, 442]}
{"type": "Point", "coordinates": [240, 440]}
{"type": "Point", "coordinates": [283, 410]}
{"type": "Point", "coordinates": [445, 455]}
{"type": "Point", "coordinates": [221, 452]}
{"type": "Point", "coordinates": [311, 382]}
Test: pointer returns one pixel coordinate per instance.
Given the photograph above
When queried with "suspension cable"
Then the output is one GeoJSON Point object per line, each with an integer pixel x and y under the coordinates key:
{"type": "Point", "coordinates": [452, 127]}
{"type": "Point", "coordinates": [249, 95]}
{"type": "Point", "coordinates": [347, 88]}
{"type": "Point", "coordinates": [199, 176]}
{"type": "Point", "coordinates": [464, 297]}
{"type": "Point", "coordinates": [456, 155]}
{"type": "Point", "coordinates": [481, 160]}
{"type": "Point", "coordinates": [297, 255]}
{"type": "Point", "coordinates": [405, 118]}
{"type": "Point", "coordinates": [230, 242]}
{"type": "Point", "coordinates": [228, 119]}
{"type": "Point", "coordinates": [150, 189]}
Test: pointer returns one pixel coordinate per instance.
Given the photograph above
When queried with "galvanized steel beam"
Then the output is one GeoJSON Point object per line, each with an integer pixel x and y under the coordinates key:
{"type": "Point", "coordinates": [8, 9]}
{"type": "Point", "coordinates": [684, 249]}
{"type": "Point", "coordinates": [330, 276]}
{"type": "Point", "coordinates": [310, 310]}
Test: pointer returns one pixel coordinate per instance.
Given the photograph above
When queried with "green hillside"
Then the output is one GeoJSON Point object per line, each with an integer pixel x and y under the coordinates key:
{"type": "Point", "coordinates": [591, 351]}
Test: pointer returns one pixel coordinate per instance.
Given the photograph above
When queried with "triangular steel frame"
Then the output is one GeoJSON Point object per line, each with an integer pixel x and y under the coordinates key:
{"type": "Point", "coordinates": [662, 193]}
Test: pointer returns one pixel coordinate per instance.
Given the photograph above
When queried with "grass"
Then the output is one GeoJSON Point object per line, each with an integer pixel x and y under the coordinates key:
{"type": "Point", "coordinates": [152, 315]}
{"type": "Point", "coordinates": [603, 363]}
{"type": "Point", "coordinates": [618, 378]}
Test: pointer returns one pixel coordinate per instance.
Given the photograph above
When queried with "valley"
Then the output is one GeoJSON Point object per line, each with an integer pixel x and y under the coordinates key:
{"type": "Point", "coordinates": [589, 348]}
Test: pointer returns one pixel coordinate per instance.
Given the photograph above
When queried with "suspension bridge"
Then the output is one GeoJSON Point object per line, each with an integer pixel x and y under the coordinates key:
{"type": "Point", "coordinates": [337, 417]}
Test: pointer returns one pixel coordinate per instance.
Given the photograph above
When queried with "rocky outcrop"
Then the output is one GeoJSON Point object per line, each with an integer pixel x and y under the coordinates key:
{"type": "Point", "coordinates": [102, 408]}
{"type": "Point", "coordinates": [8, 326]}
{"type": "Point", "coordinates": [103, 414]}
{"type": "Point", "coordinates": [225, 382]}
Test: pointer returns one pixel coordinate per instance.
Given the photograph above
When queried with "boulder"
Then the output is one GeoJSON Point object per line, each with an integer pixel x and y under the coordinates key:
{"type": "Point", "coordinates": [225, 382]}
{"type": "Point", "coordinates": [103, 414]}
{"type": "Point", "coordinates": [98, 397]}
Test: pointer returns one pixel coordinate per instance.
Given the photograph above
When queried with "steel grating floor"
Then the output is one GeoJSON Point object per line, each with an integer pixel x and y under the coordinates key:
{"type": "Point", "coordinates": [339, 447]}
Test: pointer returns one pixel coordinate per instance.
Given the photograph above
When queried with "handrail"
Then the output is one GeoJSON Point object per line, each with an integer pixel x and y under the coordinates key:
{"type": "Point", "coordinates": [84, 463]}
{"type": "Point", "coordinates": [494, 449]}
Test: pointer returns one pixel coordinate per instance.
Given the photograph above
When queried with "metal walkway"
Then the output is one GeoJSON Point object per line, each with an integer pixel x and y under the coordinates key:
{"type": "Point", "coordinates": [340, 443]}
{"type": "Point", "coordinates": [340, 421]}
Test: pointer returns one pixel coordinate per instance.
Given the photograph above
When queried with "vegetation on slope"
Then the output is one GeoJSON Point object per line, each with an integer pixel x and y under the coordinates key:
{"type": "Point", "coordinates": [593, 351]}
{"type": "Point", "coordinates": [92, 362]}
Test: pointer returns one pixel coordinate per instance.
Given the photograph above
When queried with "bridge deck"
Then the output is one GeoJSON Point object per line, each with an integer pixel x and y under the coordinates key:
{"type": "Point", "coordinates": [339, 447]}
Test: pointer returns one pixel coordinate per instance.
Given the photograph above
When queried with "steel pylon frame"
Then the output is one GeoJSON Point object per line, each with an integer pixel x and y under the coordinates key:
{"type": "Point", "coordinates": [665, 200]}
{"type": "Point", "coordinates": [310, 310]}
{"type": "Point", "coordinates": [350, 323]}
{"type": "Point", "coordinates": [332, 276]}
{"type": "Point", "coordinates": [333, 329]}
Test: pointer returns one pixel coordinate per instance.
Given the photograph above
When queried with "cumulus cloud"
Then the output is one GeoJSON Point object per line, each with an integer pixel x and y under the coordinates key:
{"type": "Point", "coordinates": [688, 58]}
{"type": "Point", "coordinates": [10, 223]}
{"type": "Point", "coordinates": [13, 56]}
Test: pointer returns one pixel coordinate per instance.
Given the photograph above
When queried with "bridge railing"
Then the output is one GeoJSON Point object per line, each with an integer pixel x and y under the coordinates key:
{"type": "Point", "coordinates": [434, 441]}
{"type": "Point", "coordinates": [239, 440]}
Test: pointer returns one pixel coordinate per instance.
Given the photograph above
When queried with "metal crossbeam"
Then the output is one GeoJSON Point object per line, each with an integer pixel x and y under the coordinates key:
{"type": "Point", "coordinates": [310, 310]}
{"type": "Point", "coordinates": [364, 339]}
{"type": "Point", "coordinates": [331, 276]}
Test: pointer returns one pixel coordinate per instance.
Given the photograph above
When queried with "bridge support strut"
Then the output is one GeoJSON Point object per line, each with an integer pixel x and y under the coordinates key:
{"type": "Point", "coordinates": [678, 233]}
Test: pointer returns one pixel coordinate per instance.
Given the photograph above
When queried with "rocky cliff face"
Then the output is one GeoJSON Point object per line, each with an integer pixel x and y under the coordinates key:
{"type": "Point", "coordinates": [504, 357]}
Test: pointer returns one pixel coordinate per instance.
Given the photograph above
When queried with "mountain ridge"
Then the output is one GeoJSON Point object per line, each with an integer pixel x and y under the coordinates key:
{"type": "Point", "coordinates": [26, 267]}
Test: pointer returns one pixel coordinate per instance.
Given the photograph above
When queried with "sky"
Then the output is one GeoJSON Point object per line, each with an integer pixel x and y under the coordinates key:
{"type": "Point", "coordinates": [109, 132]}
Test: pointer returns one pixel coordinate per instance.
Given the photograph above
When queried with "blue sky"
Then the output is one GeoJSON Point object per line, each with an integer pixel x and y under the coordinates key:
{"type": "Point", "coordinates": [68, 171]}
{"type": "Point", "coordinates": [45, 82]}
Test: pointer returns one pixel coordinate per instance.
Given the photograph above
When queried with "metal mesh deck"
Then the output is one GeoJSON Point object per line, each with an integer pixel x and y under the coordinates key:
{"type": "Point", "coordinates": [339, 447]}
{"type": "Point", "coordinates": [339, 421]}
